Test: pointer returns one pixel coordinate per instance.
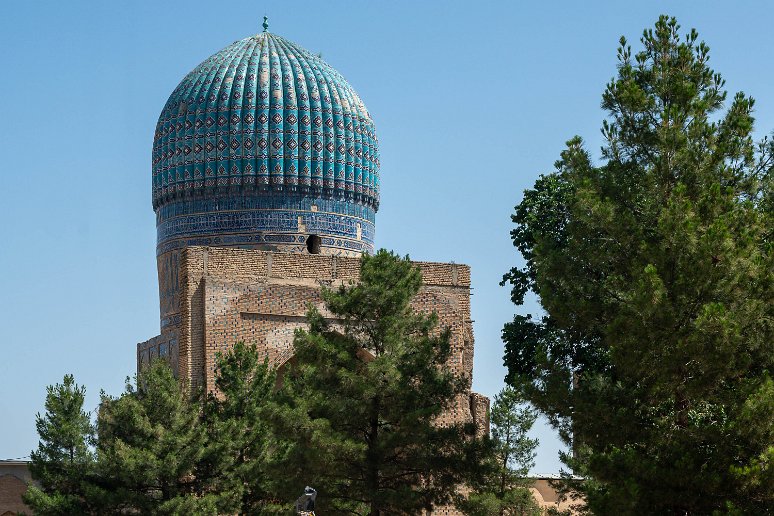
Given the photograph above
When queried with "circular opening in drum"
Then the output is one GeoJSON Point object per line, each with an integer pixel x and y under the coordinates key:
{"type": "Point", "coordinates": [313, 244]}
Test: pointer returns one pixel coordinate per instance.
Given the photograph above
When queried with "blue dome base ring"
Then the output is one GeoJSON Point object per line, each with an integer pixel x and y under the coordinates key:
{"type": "Point", "coordinates": [269, 223]}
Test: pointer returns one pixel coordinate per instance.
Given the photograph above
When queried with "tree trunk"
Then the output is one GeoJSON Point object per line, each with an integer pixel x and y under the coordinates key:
{"type": "Point", "coordinates": [504, 470]}
{"type": "Point", "coordinates": [373, 465]}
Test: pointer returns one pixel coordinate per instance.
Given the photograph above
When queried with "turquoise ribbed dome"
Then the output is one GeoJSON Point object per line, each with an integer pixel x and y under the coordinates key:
{"type": "Point", "coordinates": [265, 116]}
{"type": "Point", "coordinates": [265, 146]}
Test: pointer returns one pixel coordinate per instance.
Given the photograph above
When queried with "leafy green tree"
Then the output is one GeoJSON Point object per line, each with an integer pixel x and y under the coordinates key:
{"type": "Point", "coordinates": [655, 353]}
{"type": "Point", "coordinates": [363, 399]}
{"type": "Point", "coordinates": [150, 441]}
{"type": "Point", "coordinates": [64, 459]}
{"type": "Point", "coordinates": [503, 490]}
{"type": "Point", "coordinates": [243, 455]}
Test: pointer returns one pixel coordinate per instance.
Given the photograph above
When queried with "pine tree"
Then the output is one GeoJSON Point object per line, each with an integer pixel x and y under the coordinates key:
{"type": "Point", "coordinates": [243, 454]}
{"type": "Point", "coordinates": [64, 459]}
{"type": "Point", "coordinates": [654, 358]}
{"type": "Point", "coordinates": [363, 399]}
{"type": "Point", "coordinates": [503, 489]}
{"type": "Point", "coordinates": [150, 441]}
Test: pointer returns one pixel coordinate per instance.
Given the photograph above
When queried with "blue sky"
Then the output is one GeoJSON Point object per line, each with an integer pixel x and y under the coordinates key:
{"type": "Point", "coordinates": [471, 100]}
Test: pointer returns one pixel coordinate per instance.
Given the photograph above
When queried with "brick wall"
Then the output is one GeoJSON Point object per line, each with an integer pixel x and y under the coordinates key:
{"type": "Point", "coordinates": [213, 297]}
{"type": "Point", "coordinates": [229, 295]}
{"type": "Point", "coordinates": [14, 476]}
{"type": "Point", "coordinates": [161, 346]}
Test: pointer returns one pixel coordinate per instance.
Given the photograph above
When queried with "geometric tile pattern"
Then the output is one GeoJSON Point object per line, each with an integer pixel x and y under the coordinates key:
{"type": "Point", "coordinates": [260, 221]}
{"type": "Point", "coordinates": [289, 243]}
{"type": "Point", "coordinates": [265, 116]}
{"type": "Point", "coordinates": [268, 221]}
{"type": "Point", "coordinates": [279, 201]}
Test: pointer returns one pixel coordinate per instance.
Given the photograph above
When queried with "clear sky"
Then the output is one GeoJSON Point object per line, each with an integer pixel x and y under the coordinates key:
{"type": "Point", "coordinates": [471, 100]}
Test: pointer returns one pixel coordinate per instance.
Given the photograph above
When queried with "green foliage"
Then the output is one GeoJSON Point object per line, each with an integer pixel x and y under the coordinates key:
{"type": "Point", "coordinates": [654, 269]}
{"type": "Point", "coordinates": [502, 489]}
{"type": "Point", "coordinates": [64, 458]}
{"type": "Point", "coordinates": [243, 462]}
{"type": "Point", "coordinates": [150, 442]}
{"type": "Point", "coordinates": [363, 397]}
{"type": "Point", "coordinates": [356, 413]}
{"type": "Point", "coordinates": [161, 449]}
{"type": "Point", "coordinates": [514, 451]}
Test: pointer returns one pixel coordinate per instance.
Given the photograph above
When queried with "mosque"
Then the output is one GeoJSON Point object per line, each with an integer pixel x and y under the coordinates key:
{"type": "Point", "coordinates": [266, 188]}
{"type": "Point", "coordinates": [265, 185]}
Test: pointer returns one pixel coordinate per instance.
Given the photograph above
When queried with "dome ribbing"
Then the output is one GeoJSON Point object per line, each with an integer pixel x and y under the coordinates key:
{"type": "Point", "coordinates": [265, 146]}
{"type": "Point", "coordinates": [264, 115]}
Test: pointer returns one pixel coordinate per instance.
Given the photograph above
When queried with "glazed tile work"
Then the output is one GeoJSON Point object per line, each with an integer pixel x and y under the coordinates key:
{"type": "Point", "coordinates": [264, 139]}
{"type": "Point", "coordinates": [268, 218]}
{"type": "Point", "coordinates": [265, 188]}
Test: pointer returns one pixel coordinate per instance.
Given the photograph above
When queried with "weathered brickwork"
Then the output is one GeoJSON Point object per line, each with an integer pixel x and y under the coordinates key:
{"type": "Point", "coordinates": [162, 346]}
{"type": "Point", "coordinates": [213, 297]}
{"type": "Point", "coordinates": [229, 295]}
{"type": "Point", "coordinates": [226, 295]}
{"type": "Point", "coordinates": [14, 477]}
{"type": "Point", "coordinates": [479, 408]}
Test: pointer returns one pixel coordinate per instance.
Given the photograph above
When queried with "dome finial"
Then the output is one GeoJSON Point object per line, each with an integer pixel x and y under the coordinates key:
{"type": "Point", "coordinates": [265, 24]}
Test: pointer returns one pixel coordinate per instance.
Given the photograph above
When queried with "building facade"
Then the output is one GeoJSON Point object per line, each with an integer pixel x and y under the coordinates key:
{"type": "Point", "coordinates": [14, 478]}
{"type": "Point", "coordinates": [265, 184]}
{"type": "Point", "coordinates": [266, 187]}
